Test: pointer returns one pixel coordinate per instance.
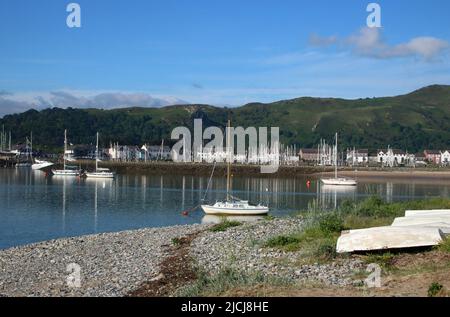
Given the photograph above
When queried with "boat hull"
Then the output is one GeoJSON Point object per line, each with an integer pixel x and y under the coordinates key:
{"type": "Point", "coordinates": [41, 166]}
{"type": "Point", "coordinates": [212, 210]}
{"type": "Point", "coordinates": [100, 175]}
{"type": "Point", "coordinates": [65, 173]}
{"type": "Point", "coordinates": [339, 181]}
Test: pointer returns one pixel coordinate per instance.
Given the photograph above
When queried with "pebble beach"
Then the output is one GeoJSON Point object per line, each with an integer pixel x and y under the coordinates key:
{"type": "Point", "coordinates": [115, 264]}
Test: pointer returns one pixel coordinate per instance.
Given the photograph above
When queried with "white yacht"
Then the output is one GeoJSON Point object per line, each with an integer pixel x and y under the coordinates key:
{"type": "Point", "coordinates": [338, 181]}
{"type": "Point", "coordinates": [235, 207]}
{"type": "Point", "coordinates": [39, 165]}
{"type": "Point", "coordinates": [99, 172]}
{"type": "Point", "coordinates": [232, 205]}
{"type": "Point", "coordinates": [67, 170]}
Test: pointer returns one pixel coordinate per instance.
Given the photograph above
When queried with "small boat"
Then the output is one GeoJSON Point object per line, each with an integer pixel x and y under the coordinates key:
{"type": "Point", "coordinates": [68, 170]}
{"type": "Point", "coordinates": [233, 205]}
{"type": "Point", "coordinates": [39, 165]}
{"type": "Point", "coordinates": [99, 172]}
{"type": "Point", "coordinates": [385, 238]}
{"type": "Point", "coordinates": [23, 165]}
{"type": "Point", "coordinates": [338, 181]}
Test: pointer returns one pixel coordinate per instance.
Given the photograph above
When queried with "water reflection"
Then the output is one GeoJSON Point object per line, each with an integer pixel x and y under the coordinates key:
{"type": "Point", "coordinates": [35, 207]}
{"type": "Point", "coordinates": [213, 219]}
{"type": "Point", "coordinates": [329, 195]}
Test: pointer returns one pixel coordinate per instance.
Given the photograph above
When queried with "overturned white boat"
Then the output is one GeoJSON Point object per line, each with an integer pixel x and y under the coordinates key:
{"type": "Point", "coordinates": [384, 238]}
{"type": "Point", "coordinates": [338, 181]}
{"type": "Point", "coordinates": [429, 212]}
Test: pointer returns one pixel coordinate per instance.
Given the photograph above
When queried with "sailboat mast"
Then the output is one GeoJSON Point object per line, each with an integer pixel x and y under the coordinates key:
{"type": "Point", "coordinates": [335, 157]}
{"type": "Point", "coordinates": [96, 155]}
{"type": "Point", "coordinates": [229, 159]}
{"type": "Point", "coordinates": [65, 148]}
{"type": "Point", "coordinates": [31, 150]}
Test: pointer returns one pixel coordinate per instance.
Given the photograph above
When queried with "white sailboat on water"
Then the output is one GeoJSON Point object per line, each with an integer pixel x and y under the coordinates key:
{"type": "Point", "coordinates": [67, 170]}
{"type": "Point", "coordinates": [338, 181]}
{"type": "Point", "coordinates": [232, 205]}
{"type": "Point", "coordinates": [99, 172]}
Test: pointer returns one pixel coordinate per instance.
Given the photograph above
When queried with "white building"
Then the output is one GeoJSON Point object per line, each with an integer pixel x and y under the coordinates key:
{"type": "Point", "coordinates": [392, 157]}
{"type": "Point", "coordinates": [156, 152]}
{"type": "Point", "coordinates": [445, 157]}
{"type": "Point", "coordinates": [356, 157]}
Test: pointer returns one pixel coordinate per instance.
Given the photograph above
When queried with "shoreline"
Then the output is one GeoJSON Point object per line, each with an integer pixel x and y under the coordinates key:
{"type": "Point", "coordinates": [111, 264]}
{"type": "Point", "coordinates": [203, 169]}
{"type": "Point", "coordinates": [174, 261]}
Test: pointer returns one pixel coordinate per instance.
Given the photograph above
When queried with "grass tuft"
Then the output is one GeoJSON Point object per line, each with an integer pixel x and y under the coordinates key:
{"type": "Point", "coordinates": [227, 279]}
{"type": "Point", "coordinates": [444, 246]}
{"type": "Point", "coordinates": [224, 225]}
{"type": "Point", "coordinates": [435, 289]}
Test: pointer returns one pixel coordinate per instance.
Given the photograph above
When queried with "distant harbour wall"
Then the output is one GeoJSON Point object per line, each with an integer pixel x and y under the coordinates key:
{"type": "Point", "coordinates": [205, 169]}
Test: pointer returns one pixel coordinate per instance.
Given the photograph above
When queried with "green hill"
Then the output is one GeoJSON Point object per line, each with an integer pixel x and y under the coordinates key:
{"type": "Point", "coordinates": [411, 122]}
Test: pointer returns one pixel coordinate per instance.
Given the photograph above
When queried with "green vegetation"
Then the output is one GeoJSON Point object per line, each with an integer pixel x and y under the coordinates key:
{"type": "Point", "coordinates": [224, 225]}
{"type": "Point", "coordinates": [411, 122]}
{"type": "Point", "coordinates": [385, 260]}
{"type": "Point", "coordinates": [283, 241]}
{"type": "Point", "coordinates": [176, 241]}
{"type": "Point", "coordinates": [444, 246]}
{"type": "Point", "coordinates": [317, 242]}
{"type": "Point", "coordinates": [227, 279]}
{"type": "Point", "coordinates": [435, 289]}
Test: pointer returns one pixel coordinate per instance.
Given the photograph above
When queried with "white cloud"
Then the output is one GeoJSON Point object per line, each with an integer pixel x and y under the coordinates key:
{"type": "Point", "coordinates": [14, 103]}
{"type": "Point", "coordinates": [369, 42]}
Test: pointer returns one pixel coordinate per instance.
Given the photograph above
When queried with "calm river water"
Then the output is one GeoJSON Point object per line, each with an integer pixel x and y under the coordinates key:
{"type": "Point", "coordinates": [34, 207]}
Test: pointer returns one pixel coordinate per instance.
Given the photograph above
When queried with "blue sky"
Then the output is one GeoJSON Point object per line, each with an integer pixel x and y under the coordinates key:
{"type": "Point", "coordinates": [153, 53]}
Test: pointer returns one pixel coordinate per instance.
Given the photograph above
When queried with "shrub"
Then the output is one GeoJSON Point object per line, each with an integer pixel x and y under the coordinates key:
{"type": "Point", "coordinates": [282, 241]}
{"type": "Point", "coordinates": [434, 289]}
{"type": "Point", "coordinates": [331, 223]}
{"type": "Point", "coordinates": [445, 245]}
{"type": "Point", "coordinates": [224, 225]}
{"type": "Point", "coordinates": [385, 260]}
{"type": "Point", "coordinates": [326, 250]}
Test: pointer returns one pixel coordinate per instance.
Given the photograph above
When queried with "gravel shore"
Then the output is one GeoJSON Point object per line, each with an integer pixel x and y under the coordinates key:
{"type": "Point", "coordinates": [116, 264]}
{"type": "Point", "coordinates": [241, 248]}
{"type": "Point", "coordinates": [112, 264]}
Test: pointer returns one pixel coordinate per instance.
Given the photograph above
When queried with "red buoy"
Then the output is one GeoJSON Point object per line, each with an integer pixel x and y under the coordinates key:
{"type": "Point", "coordinates": [185, 213]}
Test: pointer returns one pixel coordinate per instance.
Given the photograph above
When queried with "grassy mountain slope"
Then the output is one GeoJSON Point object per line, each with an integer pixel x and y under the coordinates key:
{"type": "Point", "coordinates": [412, 122]}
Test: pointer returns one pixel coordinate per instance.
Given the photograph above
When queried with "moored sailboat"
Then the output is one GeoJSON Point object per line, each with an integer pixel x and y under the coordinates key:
{"type": "Point", "coordinates": [67, 170]}
{"type": "Point", "coordinates": [338, 181]}
{"type": "Point", "coordinates": [232, 205]}
{"type": "Point", "coordinates": [99, 172]}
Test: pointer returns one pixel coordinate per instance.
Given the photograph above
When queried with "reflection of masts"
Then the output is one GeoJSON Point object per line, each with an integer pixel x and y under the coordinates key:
{"type": "Point", "coordinates": [229, 161]}
{"type": "Point", "coordinates": [95, 208]}
{"type": "Point", "coordinates": [64, 207]}
{"type": "Point", "coordinates": [335, 157]}
{"type": "Point", "coordinates": [96, 157]}
{"type": "Point", "coordinates": [65, 148]}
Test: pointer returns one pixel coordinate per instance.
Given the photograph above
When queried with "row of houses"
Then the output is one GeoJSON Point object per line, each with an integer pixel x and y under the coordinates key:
{"type": "Point", "coordinates": [388, 157]}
